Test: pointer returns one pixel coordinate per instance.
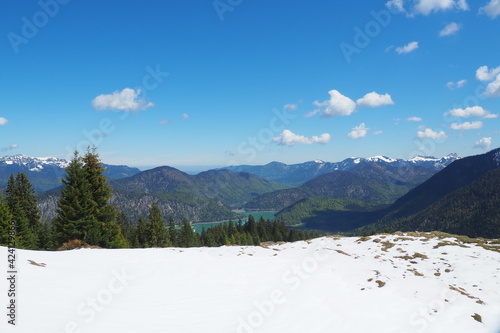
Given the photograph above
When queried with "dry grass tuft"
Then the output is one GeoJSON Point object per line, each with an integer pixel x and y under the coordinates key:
{"type": "Point", "coordinates": [477, 317]}
{"type": "Point", "coordinates": [344, 253]}
{"type": "Point", "coordinates": [75, 244]}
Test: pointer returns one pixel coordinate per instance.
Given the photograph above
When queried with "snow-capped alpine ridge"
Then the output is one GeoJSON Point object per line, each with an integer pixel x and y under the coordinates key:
{"type": "Point", "coordinates": [297, 174]}
{"type": "Point", "coordinates": [425, 161]}
{"type": "Point", "coordinates": [33, 163]}
{"type": "Point", "coordinates": [496, 158]}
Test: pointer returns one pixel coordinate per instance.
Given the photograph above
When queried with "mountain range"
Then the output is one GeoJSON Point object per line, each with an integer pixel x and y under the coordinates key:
{"type": "Point", "coordinates": [463, 198]}
{"type": "Point", "coordinates": [370, 181]}
{"type": "Point", "coordinates": [362, 194]}
{"type": "Point", "coordinates": [298, 174]}
{"type": "Point", "coordinates": [45, 173]}
{"type": "Point", "coordinates": [208, 196]}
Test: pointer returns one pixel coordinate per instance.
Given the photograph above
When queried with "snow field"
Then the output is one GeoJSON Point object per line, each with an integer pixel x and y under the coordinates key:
{"type": "Point", "coordinates": [382, 283]}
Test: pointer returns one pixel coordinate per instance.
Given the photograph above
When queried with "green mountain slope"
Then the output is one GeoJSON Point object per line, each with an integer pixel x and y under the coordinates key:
{"type": "Point", "coordinates": [333, 215]}
{"type": "Point", "coordinates": [231, 188]}
{"type": "Point", "coordinates": [453, 177]}
{"type": "Point", "coordinates": [462, 199]}
{"type": "Point", "coordinates": [208, 196]}
{"type": "Point", "coordinates": [368, 182]}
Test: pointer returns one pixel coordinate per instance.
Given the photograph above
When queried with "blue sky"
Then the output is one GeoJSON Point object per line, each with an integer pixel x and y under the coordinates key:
{"type": "Point", "coordinates": [205, 83]}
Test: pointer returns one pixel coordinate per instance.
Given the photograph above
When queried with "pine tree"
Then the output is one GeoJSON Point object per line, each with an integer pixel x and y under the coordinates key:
{"type": "Point", "coordinates": [75, 209]}
{"type": "Point", "coordinates": [5, 222]}
{"type": "Point", "coordinates": [158, 232]}
{"type": "Point", "coordinates": [104, 212]}
{"type": "Point", "coordinates": [47, 238]}
{"type": "Point", "coordinates": [23, 206]}
{"type": "Point", "coordinates": [128, 230]}
{"type": "Point", "coordinates": [250, 225]}
{"type": "Point", "coordinates": [83, 210]}
{"type": "Point", "coordinates": [186, 234]}
{"type": "Point", "coordinates": [143, 232]}
{"type": "Point", "coordinates": [172, 232]}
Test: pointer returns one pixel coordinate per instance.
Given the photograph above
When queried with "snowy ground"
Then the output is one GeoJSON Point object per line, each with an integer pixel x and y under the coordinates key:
{"type": "Point", "coordinates": [384, 283]}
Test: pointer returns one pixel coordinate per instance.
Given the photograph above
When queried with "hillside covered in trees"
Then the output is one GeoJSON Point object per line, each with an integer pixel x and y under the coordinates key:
{"type": "Point", "coordinates": [86, 217]}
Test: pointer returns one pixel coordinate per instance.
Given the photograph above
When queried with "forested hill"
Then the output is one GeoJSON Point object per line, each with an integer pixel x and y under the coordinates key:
{"type": "Point", "coordinates": [231, 188]}
{"type": "Point", "coordinates": [208, 196]}
{"type": "Point", "coordinates": [372, 182]}
{"type": "Point", "coordinates": [463, 198]}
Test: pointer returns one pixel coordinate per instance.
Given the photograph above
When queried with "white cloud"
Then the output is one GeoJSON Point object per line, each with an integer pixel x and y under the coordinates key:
{"type": "Point", "coordinates": [456, 85]}
{"type": "Point", "coordinates": [484, 143]}
{"type": "Point", "coordinates": [11, 147]}
{"type": "Point", "coordinates": [337, 105]}
{"type": "Point", "coordinates": [416, 119]}
{"type": "Point", "coordinates": [290, 107]}
{"type": "Point", "coordinates": [426, 7]}
{"type": "Point", "coordinates": [3, 121]}
{"type": "Point", "coordinates": [358, 132]}
{"type": "Point", "coordinates": [125, 100]}
{"type": "Point", "coordinates": [312, 113]}
{"type": "Point", "coordinates": [430, 134]}
{"type": "Point", "coordinates": [463, 5]}
{"type": "Point", "coordinates": [472, 111]}
{"type": "Point", "coordinates": [450, 29]}
{"type": "Point", "coordinates": [373, 100]}
{"type": "Point", "coordinates": [483, 73]}
{"type": "Point", "coordinates": [467, 125]}
{"type": "Point", "coordinates": [185, 116]}
{"type": "Point", "coordinates": [164, 122]}
{"type": "Point", "coordinates": [493, 88]}
{"type": "Point", "coordinates": [322, 139]}
{"type": "Point", "coordinates": [288, 138]}
{"type": "Point", "coordinates": [492, 9]}
{"type": "Point", "coordinates": [397, 5]}
{"type": "Point", "coordinates": [412, 46]}
{"type": "Point", "coordinates": [378, 132]}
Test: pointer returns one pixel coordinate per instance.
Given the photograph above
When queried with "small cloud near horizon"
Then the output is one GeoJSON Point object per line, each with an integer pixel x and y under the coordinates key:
{"type": "Point", "coordinates": [415, 119]}
{"type": "Point", "coordinates": [449, 29]}
{"type": "Point", "coordinates": [125, 100]}
{"type": "Point", "coordinates": [484, 143]}
{"type": "Point", "coordinates": [410, 47]}
{"type": "Point", "coordinates": [373, 100]}
{"type": "Point", "coordinates": [358, 132]}
{"type": "Point", "coordinates": [456, 85]}
{"type": "Point", "coordinates": [428, 133]}
{"type": "Point", "coordinates": [288, 138]}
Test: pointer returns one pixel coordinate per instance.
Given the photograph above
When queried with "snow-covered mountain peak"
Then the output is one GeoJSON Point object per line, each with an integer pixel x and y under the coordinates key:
{"type": "Point", "coordinates": [419, 158]}
{"type": "Point", "coordinates": [33, 163]}
{"type": "Point", "coordinates": [496, 158]}
{"type": "Point", "coordinates": [381, 159]}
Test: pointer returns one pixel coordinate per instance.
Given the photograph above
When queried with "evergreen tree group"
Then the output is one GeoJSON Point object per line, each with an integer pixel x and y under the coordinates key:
{"type": "Point", "coordinates": [153, 232]}
{"type": "Point", "coordinates": [83, 210]}
{"type": "Point", "coordinates": [19, 213]}
{"type": "Point", "coordinates": [84, 214]}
